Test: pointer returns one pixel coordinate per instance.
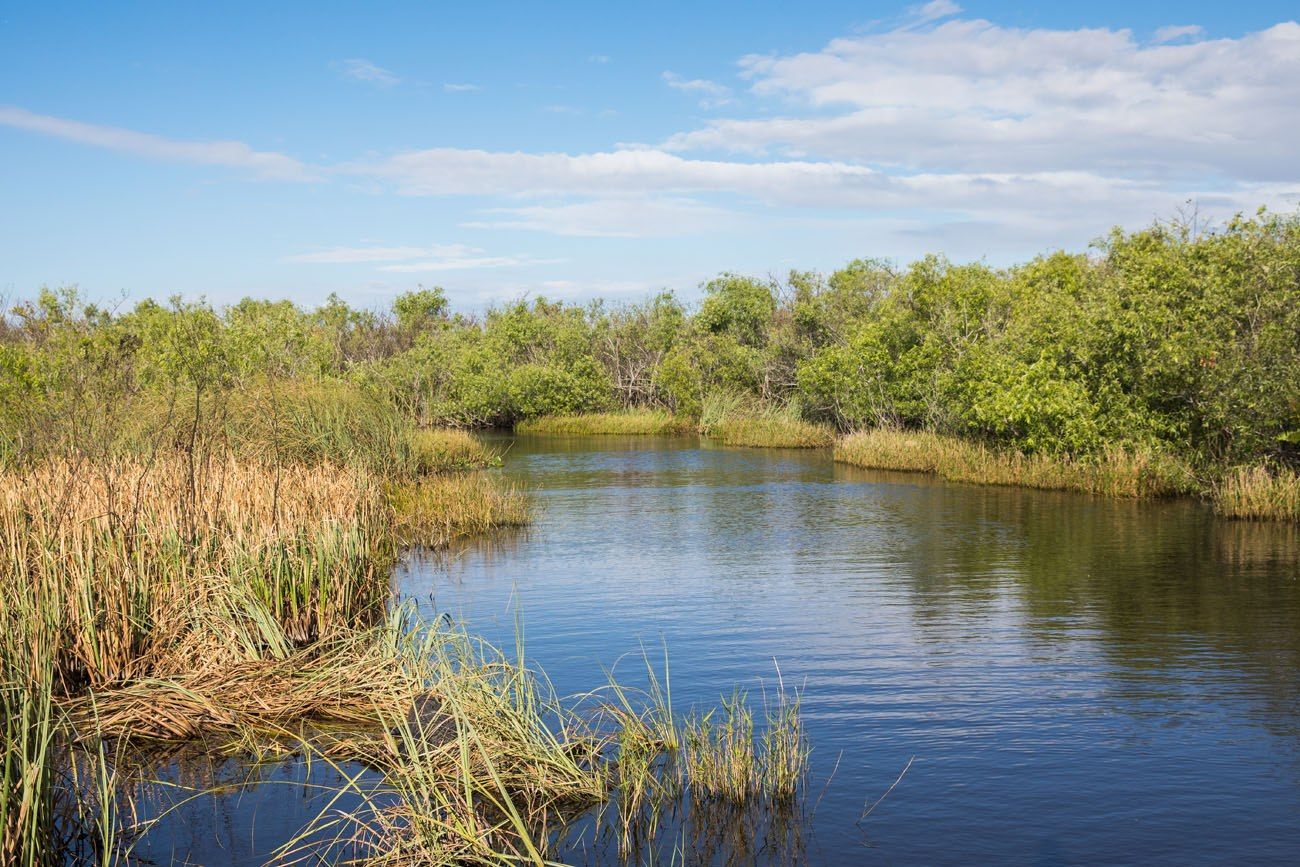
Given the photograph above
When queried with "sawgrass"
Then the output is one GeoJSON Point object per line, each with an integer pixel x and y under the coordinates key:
{"type": "Point", "coordinates": [1259, 493]}
{"type": "Point", "coordinates": [435, 511]}
{"type": "Point", "coordinates": [1116, 472]}
{"type": "Point", "coordinates": [739, 421]}
{"type": "Point", "coordinates": [441, 450]}
{"type": "Point", "coordinates": [628, 423]}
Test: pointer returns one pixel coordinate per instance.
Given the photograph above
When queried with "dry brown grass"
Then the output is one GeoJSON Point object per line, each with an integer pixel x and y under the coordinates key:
{"type": "Point", "coordinates": [1117, 472]}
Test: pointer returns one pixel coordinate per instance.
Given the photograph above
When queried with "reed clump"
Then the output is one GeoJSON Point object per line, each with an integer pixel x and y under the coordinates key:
{"type": "Point", "coordinates": [1116, 472]}
{"type": "Point", "coordinates": [627, 423]}
{"type": "Point", "coordinates": [180, 595]}
{"type": "Point", "coordinates": [723, 759]}
{"type": "Point", "coordinates": [738, 421]}
{"type": "Point", "coordinates": [1259, 493]}
{"type": "Point", "coordinates": [482, 771]}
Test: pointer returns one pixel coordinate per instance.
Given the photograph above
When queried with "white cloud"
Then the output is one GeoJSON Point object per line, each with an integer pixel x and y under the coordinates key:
{"type": "Point", "coordinates": [711, 94]}
{"type": "Point", "coordinates": [230, 154]}
{"type": "Point", "coordinates": [453, 87]}
{"type": "Point", "coordinates": [363, 70]}
{"type": "Point", "coordinates": [598, 58]}
{"type": "Point", "coordinates": [620, 217]}
{"type": "Point", "coordinates": [1070, 206]}
{"type": "Point", "coordinates": [970, 95]}
{"type": "Point", "coordinates": [1175, 32]}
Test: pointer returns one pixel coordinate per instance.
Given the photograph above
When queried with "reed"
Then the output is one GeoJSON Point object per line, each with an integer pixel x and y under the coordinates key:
{"type": "Point", "coordinates": [1259, 493]}
{"type": "Point", "coordinates": [482, 770]}
{"type": "Point", "coordinates": [628, 423]}
{"type": "Point", "coordinates": [177, 596]}
{"type": "Point", "coordinates": [738, 421]}
{"type": "Point", "coordinates": [784, 749]}
{"type": "Point", "coordinates": [1116, 472]}
{"type": "Point", "coordinates": [720, 757]}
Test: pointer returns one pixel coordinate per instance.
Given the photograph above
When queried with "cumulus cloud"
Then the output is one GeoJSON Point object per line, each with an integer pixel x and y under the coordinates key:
{"type": "Point", "coordinates": [970, 95]}
{"type": "Point", "coordinates": [711, 94]}
{"type": "Point", "coordinates": [363, 70]}
{"type": "Point", "coordinates": [230, 154]}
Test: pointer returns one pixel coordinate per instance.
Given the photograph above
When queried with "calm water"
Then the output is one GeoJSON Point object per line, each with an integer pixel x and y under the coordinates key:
{"type": "Point", "coordinates": [1073, 680]}
{"type": "Point", "coordinates": [1078, 680]}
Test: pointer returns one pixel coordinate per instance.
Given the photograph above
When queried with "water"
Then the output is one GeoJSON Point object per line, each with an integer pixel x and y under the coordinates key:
{"type": "Point", "coordinates": [1073, 680]}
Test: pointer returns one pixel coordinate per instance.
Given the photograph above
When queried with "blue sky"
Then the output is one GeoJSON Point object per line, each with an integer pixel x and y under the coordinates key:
{"type": "Point", "coordinates": [597, 149]}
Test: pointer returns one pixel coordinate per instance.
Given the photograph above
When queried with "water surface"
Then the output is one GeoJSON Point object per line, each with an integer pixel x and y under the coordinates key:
{"type": "Point", "coordinates": [1074, 680]}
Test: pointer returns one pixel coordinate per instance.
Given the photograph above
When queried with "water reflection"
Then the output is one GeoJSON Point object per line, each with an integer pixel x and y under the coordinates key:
{"type": "Point", "coordinates": [1078, 679]}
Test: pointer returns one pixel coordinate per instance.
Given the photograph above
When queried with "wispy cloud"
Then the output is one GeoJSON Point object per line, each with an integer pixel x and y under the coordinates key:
{"type": "Point", "coordinates": [621, 217]}
{"type": "Point", "coordinates": [935, 10]}
{"type": "Point", "coordinates": [711, 94]}
{"type": "Point", "coordinates": [352, 255]}
{"type": "Point", "coordinates": [404, 260]}
{"type": "Point", "coordinates": [598, 58]}
{"type": "Point", "coordinates": [467, 263]}
{"type": "Point", "coordinates": [363, 70]}
{"type": "Point", "coordinates": [1176, 32]}
{"type": "Point", "coordinates": [230, 154]}
{"type": "Point", "coordinates": [461, 87]}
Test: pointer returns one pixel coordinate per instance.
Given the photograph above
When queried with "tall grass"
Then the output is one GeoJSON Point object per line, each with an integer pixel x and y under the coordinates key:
{"type": "Point", "coordinates": [740, 421]}
{"type": "Point", "coordinates": [1117, 472]}
{"type": "Point", "coordinates": [1260, 493]}
{"type": "Point", "coordinates": [629, 422]}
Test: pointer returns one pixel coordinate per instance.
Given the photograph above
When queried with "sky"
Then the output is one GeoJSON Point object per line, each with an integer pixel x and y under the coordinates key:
{"type": "Point", "coordinates": [583, 150]}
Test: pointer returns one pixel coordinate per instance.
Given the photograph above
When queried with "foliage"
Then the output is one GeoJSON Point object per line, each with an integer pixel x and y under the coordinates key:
{"type": "Point", "coordinates": [1168, 340]}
